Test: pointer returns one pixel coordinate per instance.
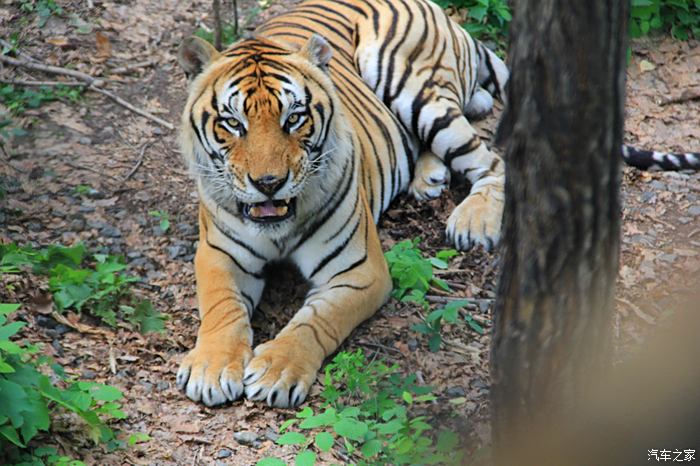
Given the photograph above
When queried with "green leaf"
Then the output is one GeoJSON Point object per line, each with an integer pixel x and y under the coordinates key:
{"type": "Point", "coordinates": [8, 308]}
{"type": "Point", "coordinates": [138, 437]}
{"type": "Point", "coordinates": [371, 448]}
{"type": "Point", "coordinates": [324, 441]}
{"type": "Point", "coordinates": [6, 331]}
{"type": "Point", "coordinates": [350, 428]}
{"type": "Point", "coordinates": [286, 424]}
{"type": "Point", "coordinates": [327, 418]}
{"type": "Point", "coordinates": [407, 397]}
{"type": "Point", "coordinates": [11, 434]}
{"type": "Point", "coordinates": [106, 393]}
{"type": "Point", "coordinates": [291, 438]}
{"type": "Point", "coordinates": [305, 458]}
{"type": "Point", "coordinates": [270, 462]}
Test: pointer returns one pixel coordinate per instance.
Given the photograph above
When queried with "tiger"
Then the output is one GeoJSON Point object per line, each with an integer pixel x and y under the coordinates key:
{"type": "Point", "coordinates": [299, 138]}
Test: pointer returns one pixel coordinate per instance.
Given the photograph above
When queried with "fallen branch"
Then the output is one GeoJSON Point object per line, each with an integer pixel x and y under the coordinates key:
{"type": "Point", "coordinates": [139, 162]}
{"type": "Point", "coordinates": [92, 83]}
{"type": "Point", "coordinates": [22, 82]}
{"type": "Point", "coordinates": [90, 80]}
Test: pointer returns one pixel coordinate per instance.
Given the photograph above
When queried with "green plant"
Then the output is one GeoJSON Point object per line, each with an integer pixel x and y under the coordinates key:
{"type": "Point", "coordinates": [432, 324]}
{"type": "Point", "coordinates": [18, 99]}
{"type": "Point", "coordinates": [228, 34]}
{"type": "Point", "coordinates": [369, 410]}
{"type": "Point", "coordinates": [29, 399]}
{"type": "Point", "coordinates": [163, 217]}
{"type": "Point", "coordinates": [82, 189]}
{"type": "Point", "coordinates": [413, 276]}
{"type": "Point", "coordinates": [681, 17]}
{"type": "Point", "coordinates": [412, 273]}
{"type": "Point", "coordinates": [101, 288]}
{"type": "Point", "coordinates": [43, 8]}
{"type": "Point", "coordinates": [485, 19]}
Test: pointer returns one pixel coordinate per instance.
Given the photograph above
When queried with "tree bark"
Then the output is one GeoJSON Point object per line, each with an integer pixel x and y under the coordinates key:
{"type": "Point", "coordinates": [563, 128]}
{"type": "Point", "coordinates": [216, 6]}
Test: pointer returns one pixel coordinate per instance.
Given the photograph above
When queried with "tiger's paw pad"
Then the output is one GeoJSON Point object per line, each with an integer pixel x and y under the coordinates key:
{"type": "Point", "coordinates": [278, 375]}
{"type": "Point", "coordinates": [212, 376]}
{"type": "Point", "coordinates": [475, 222]}
{"type": "Point", "coordinates": [431, 179]}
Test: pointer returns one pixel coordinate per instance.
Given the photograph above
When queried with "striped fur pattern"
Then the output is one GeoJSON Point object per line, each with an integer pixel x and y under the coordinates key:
{"type": "Point", "coordinates": [299, 138]}
{"type": "Point", "coordinates": [653, 160]}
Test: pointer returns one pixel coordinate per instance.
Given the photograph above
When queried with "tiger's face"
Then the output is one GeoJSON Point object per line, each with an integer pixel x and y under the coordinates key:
{"type": "Point", "coordinates": [257, 124]}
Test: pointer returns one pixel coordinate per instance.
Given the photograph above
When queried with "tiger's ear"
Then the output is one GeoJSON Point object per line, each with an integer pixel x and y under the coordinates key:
{"type": "Point", "coordinates": [194, 55]}
{"type": "Point", "coordinates": [317, 50]}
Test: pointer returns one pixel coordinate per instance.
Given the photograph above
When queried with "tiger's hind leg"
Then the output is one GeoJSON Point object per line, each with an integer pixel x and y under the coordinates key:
{"type": "Point", "coordinates": [430, 179]}
{"type": "Point", "coordinates": [479, 105]}
{"type": "Point", "coordinates": [477, 220]}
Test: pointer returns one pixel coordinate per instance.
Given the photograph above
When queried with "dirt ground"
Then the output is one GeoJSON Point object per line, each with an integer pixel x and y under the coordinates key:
{"type": "Point", "coordinates": [133, 166]}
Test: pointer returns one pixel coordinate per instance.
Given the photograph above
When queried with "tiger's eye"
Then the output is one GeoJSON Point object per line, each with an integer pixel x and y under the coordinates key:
{"type": "Point", "coordinates": [233, 123]}
{"type": "Point", "coordinates": [293, 119]}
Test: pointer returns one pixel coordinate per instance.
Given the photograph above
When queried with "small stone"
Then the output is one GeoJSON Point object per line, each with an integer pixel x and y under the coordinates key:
{"type": "Point", "coordinates": [412, 344]}
{"type": "Point", "coordinates": [271, 435]}
{"type": "Point", "coordinates": [85, 141]}
{"type": "Point", "coordinates": [223, 453]}
{"type": "Point", "coordinates": [77, 225]}
{"type": "Point", "coordinates": [694, 211]}
{"type": "Point", "coordinates": [111, 231]}
{"type": "Point", "coordinates": [685, 220]}
{"type": "Point", "coordinates": [670, 258]}
{"type": "Point", "coordinates": [157, 131]}
{"type": "Point", "coordinates": [245, 437]}
{"type": "Point", "coordinates": [46, 321]}
{"type": "Point", "coordinates": [175, 251]}
{"type": "Point", "coordinates": [185, 228]}
{"type": "Point", "coordinates": [656, 184]}
{"type": "Point", "coordinates": [133, 254]}
{"type": "Point", "coordinates": [89, 374]}
{"type": "Point", "coordinates": [162, 386]}
{"type": "Point", "coordinates": [454, 392]}
{"type": "Point", "coordinates": [86, 209]}
{"type": "Point", "coordinates": [484, 305]}
{"type": "Point", "coordinates": [649, 197]}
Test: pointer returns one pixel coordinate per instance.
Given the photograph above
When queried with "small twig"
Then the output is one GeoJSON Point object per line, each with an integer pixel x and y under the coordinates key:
{"type": "Point", "coordinates": [97, 172]}
{"type": "Point", "coordinates": [686, 96]}
{"type": "Point", "coordinates": [655, 219]}
{"type": "Point", "coordinates": [90, 80]}
{"type": "Point", "coordinates": [22, 82]}
{"type": "Point", "coordinates": [13, 47]}
{"type": "Point", "coordinates": [641, 314]}
{"type": "Point", "coordinates": [196, 456]}
{"type": "Point", "coordinates": [128, 106]}
{"type": "Point", "coordinates": [449, 271]}
{"type": "Point", "coordinates": [693, 233]}
{"type": "Point", "coordinates": [129, 68]}
{"type": "Point", "coordinates": [379, 346]}
{"type": "Point", "coordinates": [139, 162]}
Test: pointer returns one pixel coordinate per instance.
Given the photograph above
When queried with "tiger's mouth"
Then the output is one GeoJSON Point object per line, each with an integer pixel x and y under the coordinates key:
{"type": "Point", "coordinates": [270, 211]}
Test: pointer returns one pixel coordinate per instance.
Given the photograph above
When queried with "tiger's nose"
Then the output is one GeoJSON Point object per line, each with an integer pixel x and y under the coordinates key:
{"type": "Point", "coordinates": [268, 184]}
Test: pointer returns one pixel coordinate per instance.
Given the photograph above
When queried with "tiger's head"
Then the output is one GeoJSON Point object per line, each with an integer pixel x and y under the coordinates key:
{"type": "Point", "coordinates": [260, 126]}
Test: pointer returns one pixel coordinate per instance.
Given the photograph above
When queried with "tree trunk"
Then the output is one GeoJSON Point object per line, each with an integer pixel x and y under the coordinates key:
{"type": "Point", "coordinates": [216, 6]}
{"type": "Point", "coordinates": [563, 128]}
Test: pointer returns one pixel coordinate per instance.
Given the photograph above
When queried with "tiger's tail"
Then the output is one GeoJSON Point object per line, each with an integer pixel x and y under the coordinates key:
{"type": "Point", "coordinates": [646, 159]}
{"type": "Point", "coordinates": [492, 73]}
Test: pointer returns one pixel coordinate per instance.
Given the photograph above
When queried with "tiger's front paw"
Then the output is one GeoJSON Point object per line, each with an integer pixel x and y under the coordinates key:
{"type": "Point", "coordinates": [476, 221]}
{"type": "Point", "coordinates": [431, 178]}
{"type": "Point", "coordinates": [213, 374]}
{"type": "Point", "coordinates": [281, 372]}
